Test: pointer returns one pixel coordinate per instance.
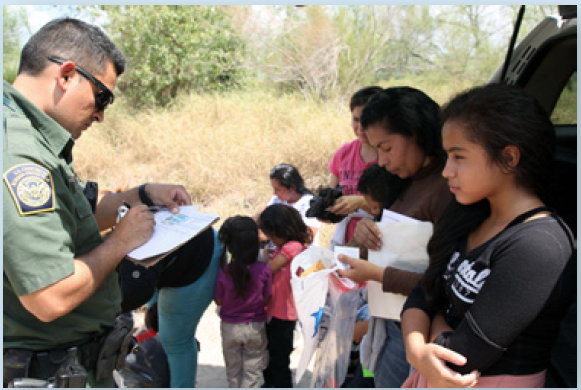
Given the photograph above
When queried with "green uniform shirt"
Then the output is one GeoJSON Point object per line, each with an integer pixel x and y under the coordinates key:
{"type": "Point", "coordinates": [47, 223]}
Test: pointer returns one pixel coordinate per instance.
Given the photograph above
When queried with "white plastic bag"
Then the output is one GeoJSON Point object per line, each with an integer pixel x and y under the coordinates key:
{"type": "Point", "coordinates": [310, 294]}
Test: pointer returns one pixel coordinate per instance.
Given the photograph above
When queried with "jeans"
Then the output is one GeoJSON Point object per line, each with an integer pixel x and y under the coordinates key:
{"type": "Point", "coordinates": [392, 368]}
{"type": "Point", "coordinates": [180, 310]}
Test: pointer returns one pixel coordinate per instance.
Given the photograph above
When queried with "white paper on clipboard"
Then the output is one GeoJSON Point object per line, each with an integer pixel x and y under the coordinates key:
{"type": "Point", "coordinates": [405, 242]}
{"type": "Point", "coordinates": [171, 231]}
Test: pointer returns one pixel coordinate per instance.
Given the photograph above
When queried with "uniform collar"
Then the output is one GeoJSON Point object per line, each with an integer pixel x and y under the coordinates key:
{"type": "Point", "coordinates": [58, 138]}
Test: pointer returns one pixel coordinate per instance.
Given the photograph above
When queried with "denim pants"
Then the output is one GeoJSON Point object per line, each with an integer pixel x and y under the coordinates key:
{"type": "Point", "coordinates": [180, 310]}
{"type": "Point", "coordinates": [392, 368]}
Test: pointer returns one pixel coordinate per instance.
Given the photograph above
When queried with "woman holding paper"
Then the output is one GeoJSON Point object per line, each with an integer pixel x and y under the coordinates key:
{"type": "Point", "coordinates": [402, 124]}
{"type": "Point", "coordinates": [499, 280]}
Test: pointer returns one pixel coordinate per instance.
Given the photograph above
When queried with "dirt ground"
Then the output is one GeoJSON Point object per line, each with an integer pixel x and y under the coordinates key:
{"type": "Point", "coordinates": [211, 370]}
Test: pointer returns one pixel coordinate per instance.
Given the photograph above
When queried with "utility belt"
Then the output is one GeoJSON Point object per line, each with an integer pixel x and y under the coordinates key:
{"type": "Point", "coordinates": [67, 367]}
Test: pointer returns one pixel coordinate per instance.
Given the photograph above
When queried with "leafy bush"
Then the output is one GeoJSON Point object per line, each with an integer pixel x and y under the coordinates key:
{"type": "Point", "coordinates": [172, 49]}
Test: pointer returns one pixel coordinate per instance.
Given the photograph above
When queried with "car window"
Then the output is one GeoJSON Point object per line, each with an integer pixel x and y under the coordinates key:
{"type": "Point", "coordinates": [565, 112]}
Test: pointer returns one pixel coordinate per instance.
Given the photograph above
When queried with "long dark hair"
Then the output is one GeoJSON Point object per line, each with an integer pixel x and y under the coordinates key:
{"type": "Point", "coordinates": [493, 116]}
{"type": "Point", "coordinates": [411, 113]}
{"type": "Point", "coordinates": [240, 237]}
{"type": "Point", "coordinates": [288, 176]}
{"type": "Point", "coordinates": [286, 223]}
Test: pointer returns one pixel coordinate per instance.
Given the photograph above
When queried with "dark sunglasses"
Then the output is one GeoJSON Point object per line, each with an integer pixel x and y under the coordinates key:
{"type": "Point", "coordinates": [102, 98]}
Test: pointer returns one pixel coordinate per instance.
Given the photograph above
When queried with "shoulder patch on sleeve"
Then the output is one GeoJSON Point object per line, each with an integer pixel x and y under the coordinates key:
{"type": "Point", "coordinates": [31, 187]}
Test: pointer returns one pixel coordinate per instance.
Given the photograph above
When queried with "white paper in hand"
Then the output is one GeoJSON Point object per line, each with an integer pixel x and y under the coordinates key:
{"type": "Point", "coordinates": [404, 247]}
{"type": "Point", "coordinates": [345, 250]}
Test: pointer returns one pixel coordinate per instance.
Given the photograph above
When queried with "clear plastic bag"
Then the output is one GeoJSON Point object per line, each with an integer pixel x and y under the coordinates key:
{"type": "Point", "coordinates": [336, 333]}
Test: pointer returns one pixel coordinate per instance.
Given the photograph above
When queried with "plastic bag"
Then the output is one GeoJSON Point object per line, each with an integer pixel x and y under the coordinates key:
{"type": "Point", "coordinates": [326, 307]}
{"type": "Point", "coordinates": [336, 333]}
{"type": "Point", "coordinates": [310, 293]}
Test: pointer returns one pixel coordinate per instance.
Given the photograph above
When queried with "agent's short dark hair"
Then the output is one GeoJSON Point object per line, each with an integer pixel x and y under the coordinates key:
{"type": "Point", "coordinates": [362, 96]}
{"type": "Point", "coordinates": [74, 40]}
{"type": "Point", "coordinates": [288, 176]}
{"type": "Point", "coordinates": [496, 116]}
{"type": "Point", "coordinates": [374, 182]}
{"type": "Point", "coordinates": [409, 112]}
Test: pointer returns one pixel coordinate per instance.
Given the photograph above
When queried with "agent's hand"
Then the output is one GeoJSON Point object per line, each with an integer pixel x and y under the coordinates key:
{"type": "Point", "coordinates": [360, 270]}
{"type": "Point", "coordinates": [169, 195]}
{"type": "Point", "coordinates": [430, 360]}
{"type": "Point", "coordinates": [346, 205]}
{"type": "Point", "coordinates": [367, 234]}
{"type": "Point", "coordinates": [135, 228]}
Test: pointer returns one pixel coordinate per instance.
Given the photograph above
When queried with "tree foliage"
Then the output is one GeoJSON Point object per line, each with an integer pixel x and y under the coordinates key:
{"type": "Point", "coordinates": [172, 49]}
{"type": "Point", "coordinates": [330, 51]}
{"type": "Point", "coordinates": [323, 51]}
{"type": "Point", "coordinates": [14, 24]}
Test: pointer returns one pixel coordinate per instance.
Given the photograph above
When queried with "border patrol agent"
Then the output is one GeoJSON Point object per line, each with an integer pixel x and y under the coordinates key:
{"type": "Point", "coordinates": [61, 288]}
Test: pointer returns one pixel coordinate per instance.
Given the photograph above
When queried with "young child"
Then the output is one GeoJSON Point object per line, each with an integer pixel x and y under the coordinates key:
{"type": "Point", "coordinates": [285, 228]}
{"type": "Point", "coordinates": [243, 288]}
{"type": "Point", "coordinates": [373, 185]}
{"type": "Point", "coordinates": [499, 281]}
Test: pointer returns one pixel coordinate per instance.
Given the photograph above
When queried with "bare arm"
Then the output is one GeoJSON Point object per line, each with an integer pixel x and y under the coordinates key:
{"type": "Point", "coordinates": [170, 195]}
{"type": "Point", "coordinates": [348, 204]}
{"type": "Point", "coordinates": [334, 181]}
{"type": "Point", "coordinates": [428, 358]}
{"type": "Point", "coordinates": [91, 269]}
{"type": "Point", "coordinates": [277, 263]}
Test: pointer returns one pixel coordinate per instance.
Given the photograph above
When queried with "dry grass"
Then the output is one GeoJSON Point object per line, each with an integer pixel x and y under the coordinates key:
{"type": "Point", "coordinates": [221, 148]}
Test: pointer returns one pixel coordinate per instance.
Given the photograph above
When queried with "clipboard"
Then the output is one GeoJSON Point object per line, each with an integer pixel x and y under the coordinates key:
{"type": "Point", "coordinates": [170, 232]}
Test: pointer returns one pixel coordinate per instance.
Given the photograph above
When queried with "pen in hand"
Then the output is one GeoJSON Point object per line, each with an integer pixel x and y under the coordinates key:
{"type": "Point", "coordinates": [152, 209]}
